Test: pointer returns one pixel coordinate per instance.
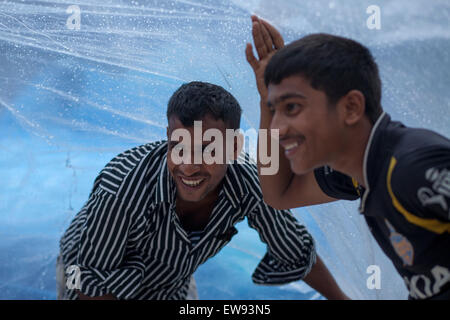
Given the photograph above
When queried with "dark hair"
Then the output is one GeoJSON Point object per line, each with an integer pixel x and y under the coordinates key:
{"type": "Point", "coordinates": [332, 64]}
{"type": "Point", "coordinates": [192, 101]}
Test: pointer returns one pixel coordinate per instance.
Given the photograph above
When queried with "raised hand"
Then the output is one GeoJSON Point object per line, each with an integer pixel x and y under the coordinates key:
{"type": "Point", "coordinates": [267, 40]}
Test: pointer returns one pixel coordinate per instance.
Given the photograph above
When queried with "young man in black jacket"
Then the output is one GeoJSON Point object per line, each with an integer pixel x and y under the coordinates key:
{"type": "Point", "coordinates": [323, 94]}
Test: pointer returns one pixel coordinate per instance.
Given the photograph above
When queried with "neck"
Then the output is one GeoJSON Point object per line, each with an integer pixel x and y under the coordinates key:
{"type": "Point", "coordinates": [351, 161]}
{"type": "Point", "coordinates": [185, 207]}
{"type": "Point", "coordinates": [195, 215]}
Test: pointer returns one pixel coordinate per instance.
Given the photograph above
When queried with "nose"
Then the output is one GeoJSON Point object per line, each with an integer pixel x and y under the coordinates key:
{"type": "Point", "coordinates": [279, 123]}
{"type": "Point", "coordinates": [189, 169]}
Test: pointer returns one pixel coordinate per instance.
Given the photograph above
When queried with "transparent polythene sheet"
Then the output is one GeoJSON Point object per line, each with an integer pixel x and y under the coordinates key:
{"type": "Point", "coordinates": [81, 82]}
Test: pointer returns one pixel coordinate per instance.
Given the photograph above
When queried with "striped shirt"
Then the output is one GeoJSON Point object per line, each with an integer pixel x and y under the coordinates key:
{"type": "Point", "coordinates": [127, 240]}
{"type": "Point", "coordinates": [194, 237]}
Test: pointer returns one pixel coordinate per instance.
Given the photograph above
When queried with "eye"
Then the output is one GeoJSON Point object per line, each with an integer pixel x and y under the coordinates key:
{"type": "Point", "coordinates": [292, 107]}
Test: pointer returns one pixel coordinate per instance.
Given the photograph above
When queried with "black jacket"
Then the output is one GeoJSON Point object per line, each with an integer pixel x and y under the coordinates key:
{"type": "Point", "coordinates": [406, 202]}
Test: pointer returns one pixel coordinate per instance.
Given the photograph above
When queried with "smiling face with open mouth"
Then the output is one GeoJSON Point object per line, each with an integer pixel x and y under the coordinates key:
{"type": "Point", "coordinates": [309, 128]}
{"type": "Point", "coordinates": [195, 182]}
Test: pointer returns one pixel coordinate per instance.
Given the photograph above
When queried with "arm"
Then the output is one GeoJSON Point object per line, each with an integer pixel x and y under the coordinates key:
{"type": "Point", "coordinates": [108, 268]}
{"type": "Point", "coordinates": [283, 190]}
{"type": "Point", "coordinates": [320, 279]}
{"type": "Point", "coordinates": [291, 253]}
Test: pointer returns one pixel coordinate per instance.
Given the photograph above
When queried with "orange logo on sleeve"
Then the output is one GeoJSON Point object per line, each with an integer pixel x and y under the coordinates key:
{"type": "Point", "coordinates": [402, 246]}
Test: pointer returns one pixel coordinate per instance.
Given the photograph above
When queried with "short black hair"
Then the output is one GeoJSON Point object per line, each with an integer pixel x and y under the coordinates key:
{"type": "Point", "coordinates": [332, 64]}
{"type": "Point", "coordinates": [193, 100]}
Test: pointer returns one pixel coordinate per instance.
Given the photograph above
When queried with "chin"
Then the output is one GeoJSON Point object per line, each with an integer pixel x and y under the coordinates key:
{"type": "Point", "coordinates": [191, 197]}
{"type": "Point", "coordinates": [300, 168]}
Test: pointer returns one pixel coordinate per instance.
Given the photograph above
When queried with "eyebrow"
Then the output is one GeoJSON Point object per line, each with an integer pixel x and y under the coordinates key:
{"type": "Point", "coordinates": [285, 97]}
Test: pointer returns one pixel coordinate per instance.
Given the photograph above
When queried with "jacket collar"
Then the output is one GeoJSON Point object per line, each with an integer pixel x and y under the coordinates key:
{"type": "Point", "coordinates": [374, 156]}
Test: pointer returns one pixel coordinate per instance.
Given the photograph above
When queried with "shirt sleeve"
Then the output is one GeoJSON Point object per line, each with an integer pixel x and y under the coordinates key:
{"type": "Point", "coordinates": [290, 248]}
{"type": "Point", "coordinates": [106, 266]}
{"type": "Point", "coordinates": [336, 184]}
{"type": "Point", "coordinates": [419, 185]}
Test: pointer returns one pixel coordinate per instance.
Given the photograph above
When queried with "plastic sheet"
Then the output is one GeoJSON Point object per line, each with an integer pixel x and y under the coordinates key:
{"type": "Point", "coordinates": [81, 82]}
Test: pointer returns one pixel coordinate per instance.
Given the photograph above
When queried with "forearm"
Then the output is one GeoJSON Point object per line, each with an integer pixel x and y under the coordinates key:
{"type": "Point", "coordinates": [110, 284]}
{"type": "Point", "coordinates": [273, 185]}
{"type": "Point", "coordinates": [320, 279]}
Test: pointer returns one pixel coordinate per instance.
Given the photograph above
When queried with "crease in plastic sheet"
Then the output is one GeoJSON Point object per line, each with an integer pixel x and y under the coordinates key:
{"type": "Point", "coordinates": [71, 99]}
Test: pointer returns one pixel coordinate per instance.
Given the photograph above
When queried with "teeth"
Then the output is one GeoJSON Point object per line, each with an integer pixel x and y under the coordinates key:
{"type": "Point", "coordinates": [192, 183]}
{"type": "Point", "coordinates": [290, 146]}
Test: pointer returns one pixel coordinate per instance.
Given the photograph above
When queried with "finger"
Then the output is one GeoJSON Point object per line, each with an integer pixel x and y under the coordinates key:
{"type": "Point", "coordinates": [250, 56]}
{"type": "Point", "coordinates": [267, 38]}
{"type": "Point", "coordinates": [265, 33]}
{"type": "Point", "coordinates": [277, 39]}
{"type": "Point", "coordinates": [258, 39]}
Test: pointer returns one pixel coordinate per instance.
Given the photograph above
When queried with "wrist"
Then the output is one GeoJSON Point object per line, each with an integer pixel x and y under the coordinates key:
{"type": "Point", "coordinates": [263, 102]}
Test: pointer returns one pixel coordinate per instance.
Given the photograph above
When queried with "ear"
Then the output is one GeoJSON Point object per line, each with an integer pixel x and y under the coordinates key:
{"type": "Point", "coordinates": [167, 132]}
{"type": "Point", "coordinates": [353, 106]}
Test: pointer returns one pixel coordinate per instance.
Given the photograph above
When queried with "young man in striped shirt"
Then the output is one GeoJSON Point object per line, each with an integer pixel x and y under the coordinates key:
{"type": "Point", "coordinates": [153, 216]}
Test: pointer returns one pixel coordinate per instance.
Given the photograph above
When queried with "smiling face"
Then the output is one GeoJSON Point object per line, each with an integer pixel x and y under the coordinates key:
{"type": "Point", "coordinates": [310, 130]}
{"type": "Point", "coordinates": [195, 182]}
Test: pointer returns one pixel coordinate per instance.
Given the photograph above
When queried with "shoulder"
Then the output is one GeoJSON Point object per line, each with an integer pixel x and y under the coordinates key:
{"type": "Point", "coordinates": [419, 156]}
{"type": "Point", "coordinates": [419, 166]}
{"type": "Point", "coordinates": [418, 178]}
{"type": "Point", "coordinates": [246, 172]}
{"type": "Point", "coordinates": [404, 140]}
{"type": "Point", "coordinates": [140, 160]}
{"type": "Point", "coordinates": [336, 184]}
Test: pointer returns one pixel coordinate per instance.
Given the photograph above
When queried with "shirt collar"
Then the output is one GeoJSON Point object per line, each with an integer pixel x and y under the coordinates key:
{"type": "Point", "coordinates": [372, 156]}
{"type": "Point", "coordinates": [233, 186]}
{"type": "Point", "coordinates": [165, 186]}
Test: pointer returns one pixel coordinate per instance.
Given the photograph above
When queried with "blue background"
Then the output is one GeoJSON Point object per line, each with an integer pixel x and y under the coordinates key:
{"type": "Point", "coordinates": [70, 100]}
